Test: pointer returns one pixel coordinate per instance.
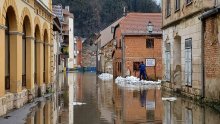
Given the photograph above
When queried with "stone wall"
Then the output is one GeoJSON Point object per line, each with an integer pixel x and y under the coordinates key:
{"type": "Point", "coordinates": [106, 58]}
{"type": "Point", "coordinates": [88, 55]}
{"type": "Point", "coordinates": [175, 36]}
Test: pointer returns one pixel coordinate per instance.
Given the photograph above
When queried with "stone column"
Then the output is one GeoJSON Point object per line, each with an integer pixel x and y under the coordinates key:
{"type": "Point", "coordinates": [2, 61]}
{"type": "Point", "coordinates": [39, 62]}
{"type": "Point", "coordinates": [15, 62]}
{"type": "Point", "coordinates": [40, 66]}
{"type": "Point", "coordinates": [48, 112]}
{"type": "Point", "coordinates": [40, 113]}
{"type": "Point", "coordinates": [30, 62]}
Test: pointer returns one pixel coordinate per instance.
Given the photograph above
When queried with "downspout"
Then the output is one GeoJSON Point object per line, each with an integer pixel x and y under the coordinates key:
{"type": "Point", "coordinates": [123, 55]}
{"type": "Point", "coordinates": [202, 60]}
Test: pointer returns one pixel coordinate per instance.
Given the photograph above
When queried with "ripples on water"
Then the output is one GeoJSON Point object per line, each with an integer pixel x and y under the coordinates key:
{"type": "Point", "coordinates": [106, 103]}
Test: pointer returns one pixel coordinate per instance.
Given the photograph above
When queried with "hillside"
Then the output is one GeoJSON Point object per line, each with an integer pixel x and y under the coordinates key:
{"type": "Point", "coordinates": [94, 15]}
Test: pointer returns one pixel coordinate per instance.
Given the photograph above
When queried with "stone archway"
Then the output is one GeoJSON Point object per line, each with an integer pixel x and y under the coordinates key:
{"type": "Point", "coordinates": [46, 54]}
{"type": "Point", "coordinates": [13, 53]}
{"type": "Point", "coordinates": [177, 62]}
{"type": "Point", "coordinates": [28, 52]}
{"type": "Point", "coordinates": [38, 59]}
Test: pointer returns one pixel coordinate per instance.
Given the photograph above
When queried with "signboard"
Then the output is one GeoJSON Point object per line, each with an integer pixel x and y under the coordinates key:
{"type": "Point", "coordinates": [150, 105]}
{"type": "Point", "coordinates": [150, 62]}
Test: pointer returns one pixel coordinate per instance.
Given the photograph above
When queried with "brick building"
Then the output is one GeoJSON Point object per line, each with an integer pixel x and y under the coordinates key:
{"type": "Point", "coordinates": [135, 42]}
{"type": "Point", "coordinates": [211, 52]}
{"type": "Point", "coordinates": [79, 42]}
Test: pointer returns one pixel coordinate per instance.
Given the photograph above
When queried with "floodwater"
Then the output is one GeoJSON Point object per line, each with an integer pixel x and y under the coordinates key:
{"type": "Point", "coordinates": [85, 99]}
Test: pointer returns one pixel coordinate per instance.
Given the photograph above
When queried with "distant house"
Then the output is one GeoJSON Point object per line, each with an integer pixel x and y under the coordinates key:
{"type": "Point", "coordinates": [138, 38]}
{"type": "Point", "coordinates": [79, 42]}
{"type": "Point", "coordinates": [105, 48]}
{"type": "Point", "coordinates": [89, 53]}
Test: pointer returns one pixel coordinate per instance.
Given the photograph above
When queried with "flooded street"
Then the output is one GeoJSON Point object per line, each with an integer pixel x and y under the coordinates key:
{"type": "Point", "coordinates": [85, 99]}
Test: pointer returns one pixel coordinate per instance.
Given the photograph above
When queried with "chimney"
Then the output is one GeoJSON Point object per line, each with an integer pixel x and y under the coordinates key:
{"type": "Point", "coordinates": [67, 8]}
{"type": "Point", "coordinates": [124, 11]}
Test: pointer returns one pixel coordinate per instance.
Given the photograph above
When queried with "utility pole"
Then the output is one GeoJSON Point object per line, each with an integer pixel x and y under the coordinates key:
{"type": "Point", "coordinates": [123, 55]}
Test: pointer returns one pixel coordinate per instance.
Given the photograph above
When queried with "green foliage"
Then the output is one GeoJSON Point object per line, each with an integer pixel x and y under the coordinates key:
{"type": "Point", "coordinates": [94, 15]}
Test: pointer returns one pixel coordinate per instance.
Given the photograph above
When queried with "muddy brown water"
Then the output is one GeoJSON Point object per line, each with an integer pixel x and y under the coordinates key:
{"type": "Point", "coordinates": [85, 99]}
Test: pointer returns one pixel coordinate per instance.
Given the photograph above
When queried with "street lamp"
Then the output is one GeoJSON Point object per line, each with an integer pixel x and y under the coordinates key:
{"type": "Point", "coordinates": [150, 27]}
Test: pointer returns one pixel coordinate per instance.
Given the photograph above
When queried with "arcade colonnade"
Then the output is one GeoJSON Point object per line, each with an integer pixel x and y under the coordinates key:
{"type": "Point", "coordinates": [26, 61]}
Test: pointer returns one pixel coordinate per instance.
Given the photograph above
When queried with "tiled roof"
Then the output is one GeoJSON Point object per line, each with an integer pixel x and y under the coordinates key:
{"type": "Point", "coordinates": [136, 23]}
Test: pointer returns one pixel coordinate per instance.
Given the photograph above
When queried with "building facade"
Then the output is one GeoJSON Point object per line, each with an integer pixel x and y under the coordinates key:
{"type": "Point", "coordinates": [105, 47]}
{"type": "Point", "coordinates": [68, 33]}
{"type": "Point", "coordinates": [135, 44]}
{"type": "Point", "coordinates": [79, 41]}
{"type": "Point", "coordinates": [26, 58]}
{"type": "Point", "coordinates": [57, 40]}
{"type": "Point", "coordinates": [182, 49]}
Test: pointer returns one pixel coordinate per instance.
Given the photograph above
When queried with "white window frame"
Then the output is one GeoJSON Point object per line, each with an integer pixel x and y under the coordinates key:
{"type": "Point", "coordinates": [167, 62]}
{"type": "Point", "coordinates": [188, 62]}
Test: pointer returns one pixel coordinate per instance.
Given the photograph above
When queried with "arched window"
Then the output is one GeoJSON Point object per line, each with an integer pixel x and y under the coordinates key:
{"type": "Point", "coordinates": [35, 58]}
{"type": "Point", "coordinates": [7, 55]}
{"type": "Point", "coordinates": [24, 56]}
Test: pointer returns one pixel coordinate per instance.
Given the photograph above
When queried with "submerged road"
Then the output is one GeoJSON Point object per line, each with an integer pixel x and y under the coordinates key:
{"type": "Point", "coordinates": [85, 99]}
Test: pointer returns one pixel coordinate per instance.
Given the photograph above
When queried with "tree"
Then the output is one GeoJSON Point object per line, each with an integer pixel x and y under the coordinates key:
{"type": "Point", "coordinates": [94, 15]}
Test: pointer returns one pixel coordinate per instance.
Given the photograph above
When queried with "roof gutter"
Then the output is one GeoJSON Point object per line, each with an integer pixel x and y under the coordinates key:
{"type": "Point", "coordinates": [209, 13]}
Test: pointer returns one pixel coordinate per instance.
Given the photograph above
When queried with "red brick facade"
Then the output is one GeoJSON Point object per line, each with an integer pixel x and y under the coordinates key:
{"type": "Point", "coordinates": [211, 58]}
{"type": "Point", "coordinates": [79, 49]}
{"type": "Point", "coordinates": [134, 37]}
{"type": "Point", "coordinates": [136, 51]}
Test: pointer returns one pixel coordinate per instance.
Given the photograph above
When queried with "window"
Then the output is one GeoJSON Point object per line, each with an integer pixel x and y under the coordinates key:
{"type": "Point", "coordinates": [188, 116]}
{"type": "Point", "coordinates": [112, 29]}
{"type": "Point", "coordinates": [177, 5]}
{"type": "Point", "coordinates": [168, 9]}
{"type": "Point", "coordinates": [188, 62]}
{"type": "Point", "coordinates": [136, 66]}
{"type": "Point", "coordinates": [150, 43]}
{"type": "Point", "coordinates": [7, 54]}
{"type": "Point", "coordinates": [188, 2]}
{"type": "Point", "coordinates": [167, 62]}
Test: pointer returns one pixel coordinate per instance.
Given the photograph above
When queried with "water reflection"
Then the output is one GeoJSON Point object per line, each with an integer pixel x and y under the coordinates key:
{"type": "Point", "coordinates": [139, 106]}
{"type": "Point", "coordinates": [106, 103]}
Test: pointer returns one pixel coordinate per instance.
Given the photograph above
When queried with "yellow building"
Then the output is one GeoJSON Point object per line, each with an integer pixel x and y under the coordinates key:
{"type": "Point", "coordinates": [25, 50]}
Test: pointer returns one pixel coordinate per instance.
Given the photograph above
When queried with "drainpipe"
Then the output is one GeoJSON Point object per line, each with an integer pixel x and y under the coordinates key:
{"type": "Point", "coordinates": [202, 60]}
{"type": "Point", "coordinates": [123, 55]}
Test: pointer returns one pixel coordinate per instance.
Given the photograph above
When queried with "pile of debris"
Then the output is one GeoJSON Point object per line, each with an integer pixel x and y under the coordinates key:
{"type": "Point", "coordinates": [135, 83]}
{"type": "Point", "coordinates": [105, 76]}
